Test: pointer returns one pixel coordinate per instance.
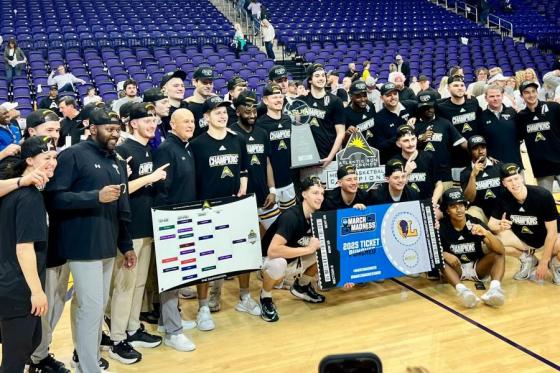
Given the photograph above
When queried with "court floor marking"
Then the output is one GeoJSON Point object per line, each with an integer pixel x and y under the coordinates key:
{"type": "Point", "coordinates": [480, 326]}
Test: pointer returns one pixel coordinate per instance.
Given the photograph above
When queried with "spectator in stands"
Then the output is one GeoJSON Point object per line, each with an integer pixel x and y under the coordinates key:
{"type": "Point", "coordinates": [71, 126]}
{"type": "Point", "coordinates": [403, 68]}
{"type": "Point", "coordinates": [14, 60]}
{"type": "Point", "coordinates": [414, 85]}
{"type": "Point", "coordinates": [373, 94]}
{"type": "Point", "coordinates": [268, 38]}
{"type": "Point", "coordinates": [424, 83]}
{"type": "Point", "coordinates": [334, 87]}
{"type": "Point", "coordinates": [13, 119]}
{"type": "Point", "coordinates": [64, 80]}
{"type": "Point", "coordinates": [352, 73]}
{"type": "Point", "coordinates": [365, 73]}
{"type": "Point", "coordinates": [130, 90]}
{"type": "Point", "coordinates": [346, 83]}
{"type": "Point", "coordinates": [476, 89]}
{"type": "Point", "coordinates": [442, 89]}
{"type": "Point", "coordinates": [9, 136]}
{"type": "Point", "coordinates": [255, 8]}
{"type": "Point", "coordinates": [292, 89]}
{"type": "Point", "coordinates": [405, 93]}
{"type": "Point", "coordinates": [494, 71]}
{"type": "Point", "coordinates": [392, 67]}
{"type": "Point", "coordinates": [301, 90]}
{"type": "Point", "coordinates": [51, 101]}
{"type": "Point", "coordinates": [239, 42]}
{"type": "Point", "coordinates": [456, 70]}
{"type": "Point", "coordinates": [511, 90]}
{"type": "Point", "coordinates": [483, 11]}
{"type": "Point", "coordinates": [552, 79]}
{"type": "Point", "coordinates": [91, 96]}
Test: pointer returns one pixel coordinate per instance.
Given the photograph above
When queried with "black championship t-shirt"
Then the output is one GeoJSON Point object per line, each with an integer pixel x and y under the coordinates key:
{"type": "Point", "coordinates": [141, 201]}
{"type": "Point", "coordinates": [489, 188]}
{"type": "Point", "coordinates": [334, 201]}
{"type": "Point", "coordinates": [293, 226]}
{"type": "Point", "coordinates": [257, 151]}
{"type": "Point", "coordinates": [381, 195]}
{"type": "Point", "coordinates": [528, 218]}
{"type": "Point", "coordinates": [279, 132]}
{"type": "Point", "coordinates": [200, 124]}
{"type": "Point", "coordinates": [445, 137]}
{"type": "Point", "coordinates": [24, 220]}
{"type": "Point", "coordinates": [385, 130]}
{"type": "Point", "coordinates": [219, 164]}
{"type": "Point", "coordinates": [463, 244]}
{"type": "Point", "coordinates": [426, 174]}
{"type": "Point", "coordinates": [541, 132]}
{"type": "Point", "coordinates": [362, 120]}
{"type": "Point", "coordinates": [324, 113]}
{"type": "Point", "coordinates": [501, 135]}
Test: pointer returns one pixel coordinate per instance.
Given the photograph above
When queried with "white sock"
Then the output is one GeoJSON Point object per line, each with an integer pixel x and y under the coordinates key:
{"type": "Point", "coordinates": [460, 287]}
{"type": "Point", "coordinates": [131, 333]}
{"type": "Point", "coordinates": [555, 262]}
{"type": "Point", "coordinates": [495, 284]}
{"type": "Point", "coordinates": [266, 294]}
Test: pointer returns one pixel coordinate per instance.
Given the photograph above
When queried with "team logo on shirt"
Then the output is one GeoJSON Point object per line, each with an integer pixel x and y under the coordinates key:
{"type": "Point", "coordinates": [466, 128]}
{"type": "Point", "coordinates": [415, 187]}
{"type": "Point", "coordinates": [526, 230]}
{"type": "Point", "coordinates": [489, 194]}
{"type": "Point", "coordinates": [429, 147]}
{"type": "Point", "coordinates": [145, 168]}
{"type": "Point", "coordinates": [314, 122]}
{"type": "Point", "coordinates": [463, 118]}
{"type": "Point", "coordinates": [226, 172]}
{"type": "Point", "coordinates": [539, 137]}
{"type": "Point", "coordinates": [223, 160]}
{"type": "Point", "coordinates": [282, 145]}
{"type": "Point", "coordinates": [255, 160]}
{"type": "Point", "coordinates": [524, 220]}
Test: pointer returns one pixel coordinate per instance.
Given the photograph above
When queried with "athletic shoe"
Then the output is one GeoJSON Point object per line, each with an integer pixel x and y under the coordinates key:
{"type": "Point", "coordinates": [149, 317]}
{"type": "Point", "coordinates": [555, 273]}
{"type": "Point", "coordinates": [103, 364]}
{"type": "Point", "coordinates": [179, 342]}
{"type": "Point", "coordinates": [528, 263]}
{"type": "Point", "coordinates": [433, 275]}
{"type": "Point", "coordinates": [187, 293]}
{"type": "Point", "coordinates": [494, 297]}
{"type": "Point", "coordinates": [187, 325]}
{"type": "Point", "coordinates": [268, 310]}
{"type": "Point", "coordinates": [215, 296]}
{"type": "Point", "coordinates": [468, 298]}
{"type": "Point", "coordinates": [143, 339]}
{"type": "Point", "coordinates": [307, 293]}
{"type": "Point", "coordinates": [48, 365]}
{"type": "Point", "coordinates": [106, 342]}
{"type": "Point", "coordinates": [204, 320]}
{"type": "Point", "coordinates": [124, 353]}
{"type": "Point", "coordinates": [247, 304]}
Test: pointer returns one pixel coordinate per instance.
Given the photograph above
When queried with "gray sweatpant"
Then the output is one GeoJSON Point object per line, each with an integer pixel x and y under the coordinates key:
{"type": "Point", "coordinates": [170, 317]}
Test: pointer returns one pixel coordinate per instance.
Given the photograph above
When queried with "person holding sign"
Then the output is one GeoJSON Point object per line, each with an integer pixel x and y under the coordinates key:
{"type": "Point", "coordinates": [396, 188]}
{"type": "Point", "coordinates": [348, 193]}
{"type": "Point", "coordinates": [462, 237]}
{"type": "Point", "coordinates": [288, 246]}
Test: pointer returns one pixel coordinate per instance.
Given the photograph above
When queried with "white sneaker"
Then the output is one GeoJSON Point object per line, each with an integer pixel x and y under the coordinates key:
{"type": "Point", "coordinates": [528, 263]}
{"type": "Point", "coordinates": [179, 342]}
{"type": "Point", "coordinates": [215, 296]}
{"type": "Point", "coordinates": [204, 320]}
{"type": "Point", "coordinates": [187, 293]}
{"type": "Point", "coordinates": [468, 298]}
{"type": "Point", "coordinates": [248, 304]}
{"type": "Point", "coordinates": [494, 297]}
{"type": "Point", "coordinates": [187, 325]}
{"type": "Point", "coordinates": [555, 269]}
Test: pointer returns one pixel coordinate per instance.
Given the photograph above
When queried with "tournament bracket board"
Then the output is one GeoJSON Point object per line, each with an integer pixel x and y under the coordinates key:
{"type": "Point", "coordinates": [380, 242]}
{"type": "Point", "coordinates": [206, 240]}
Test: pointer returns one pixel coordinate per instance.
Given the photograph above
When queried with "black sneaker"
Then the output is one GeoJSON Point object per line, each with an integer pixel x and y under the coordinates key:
{"type": "Point", "coordinates": [307, 293]}
{"type": "Point", "coordinates": [123, 352]}
{"type": "Point", "coordinates": [106, 342]}
{"type": "Point", "coordinates": [433, 275]}
{"type": "Point", "coordinates": [143, 339]}
{"type": "Point", "coordinates": [48, 365]}
{"type": "Point", "coordinates": [149, 317]}
{"type": "Point", "coordinates": [268, 310]}
{"type": "Point", "coordinates": [103, 364]}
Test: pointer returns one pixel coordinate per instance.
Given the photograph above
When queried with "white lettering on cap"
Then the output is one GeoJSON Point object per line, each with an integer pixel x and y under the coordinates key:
{"type": "Point", "coordinates": [455, 195]}
{"type": "Point", "coordinates": [280, 71]}
{"type": "Point", "coordinates": [424, 98]}
{"type": "Point", "coordinates": [206, 72]}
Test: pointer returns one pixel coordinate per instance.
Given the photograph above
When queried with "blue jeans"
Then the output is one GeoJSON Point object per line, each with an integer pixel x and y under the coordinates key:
{"type": "Point", "coordinates": [13, 71]}
{"type": "Point", "coordinates": [269, 50]}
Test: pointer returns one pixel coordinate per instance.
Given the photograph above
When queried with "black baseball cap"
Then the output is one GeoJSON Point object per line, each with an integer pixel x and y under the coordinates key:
{"type": "Point", "coordinates": [153, 95]}
{"type": "Point", "coordinates": [455, 78]}
{"type": "Point", "coordinates": [423, 78]}
{"type": "Point", "coordinates": [39, 117]}
{"type": "Point", "coordinates": [103, 116]}
{"type": "Point", "coordinates": [475, 141]}
{"type": "Point", "coordinates": [388, 88]}
{"type": "Point", "coordinates": [142, 110]}
{"type": "Point", "coordinates": [236, 81]}
{"type": "Point", "coordinates": [204, 72]}
{"type": "Point", "coordinates": [357, 87]}
{"type": "Point", "coordinates": [393, 165]}
{"type": "Point", "coordinates": [54, 87]}
{"type": "Point", "coordinates": [428, 98]}
{"type": "Point", "coordinates": [452, 196]}
{"type": "Point", "coordinates": [509, 169]}
{"type": "Point", "coordinates": [345, 170]}
{"type": "Point", "coordinates": [37, 145]}
{"type": "Point", "coordinates": [309, 181]}
{"type": "Point", "coordinates": [332, 72]}
{"type": "Point", "coordinates": [272, 89]}
{"type": "Point", "coordinates": [246, 98]}
{"type": "Point", "coordinates": [173, 74]}
{"type": "Point", "coordinates": [124, 110]}
{"type": "Point", "coordinates": [212, 103]}
{"type": "Point", "coordinates": [314, 67]}
{"type": "Point", "coordinates": [526, 84]}
{"type": "Point", "coordinates": [86, 111]}
{"type": "Point", "coordinates": [405, 129]}
{"type": "Point", "coordinates": [277, 72]}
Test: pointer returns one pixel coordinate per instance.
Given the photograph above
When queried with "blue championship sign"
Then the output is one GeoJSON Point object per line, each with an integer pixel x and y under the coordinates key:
{"type": "Point", "coordinates": [380, 242]}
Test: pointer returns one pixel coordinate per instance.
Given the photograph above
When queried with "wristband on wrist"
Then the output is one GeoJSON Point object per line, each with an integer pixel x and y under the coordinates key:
{"type": "Point", "coordinates": [272, 190]}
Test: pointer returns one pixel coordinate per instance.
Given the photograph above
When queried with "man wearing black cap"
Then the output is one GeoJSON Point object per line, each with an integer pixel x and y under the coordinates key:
{"type": "Point", "coordinates": [203, 82]}
{"type": "Point", "coordinates": [462, 237]}
{"type": "Point", "coordinates": [347, 193]}
{"type": "Point", "coordinates": [497, 126]}
{"type": "Point", "coordinates": [437, 135]}
{"type": "Point", "coordinates": [395, 189]}
{"type": "Point", "coordinates": [424, 173]}
{"type": "Point", "coordinates": [42, 122]}
{"type": "Point", "coordinates": [161, 107]}
{"type": "Point", "coordinates": [89, 193]}
{"type": "Point", "coordinates": [393, 114]}
{"type": "Point", "coordinates": [481, 181]}
{"type": "Point", "coordinates": [173, 86]}
{"type": "Point", "coordinates": [539, 125]}
{"type": "Point", "coordinates": [235, 86]}
{"type": "Point", "coordinates": [51, 101]}
{"type": "Point", "coordinates": [128, 285]}
{"type": "Point", "coordinates": [277, 75]}
{"type": "Point", "coordinates": [360, 114]}
{"type": "Point", "coordinates": [221, 170]}
{"type": "Point", "coordinates": [525, 220]}
{"type": "Point", "coordinates": [71, 127]}
{"type": "Point", "coordinates": [424, 84]}
{"type": "Point", "coordinates": [289, 246]}
{"type": "Point", "coordinates": [327, 121]}
{"type": "Point", "coordinates": [130, 88]}
{"type": "Point", "coordinates": [278, 127]}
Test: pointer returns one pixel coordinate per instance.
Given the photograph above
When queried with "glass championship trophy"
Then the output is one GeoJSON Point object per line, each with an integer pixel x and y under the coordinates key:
{"type": "Point", "coordinates": [303, 149]}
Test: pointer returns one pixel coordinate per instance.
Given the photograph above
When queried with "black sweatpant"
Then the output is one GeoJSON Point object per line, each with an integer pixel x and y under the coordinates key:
{"type": "Point", "coordinates": [20, 337]}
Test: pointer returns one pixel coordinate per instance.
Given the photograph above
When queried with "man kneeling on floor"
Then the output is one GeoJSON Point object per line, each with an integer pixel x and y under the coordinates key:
{"type": "Point", "coordinates": [462, 237]}
{"type": "Point", "coordinates": [288, 243]}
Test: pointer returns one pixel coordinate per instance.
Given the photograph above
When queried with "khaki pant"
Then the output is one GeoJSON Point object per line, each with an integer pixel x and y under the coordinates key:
{"type": "Point", "coordinates": [477, 212]}
{"type": "Point", "coordinates": [151, 292]}
{"type": "Point", "coordinates": [128, 290]}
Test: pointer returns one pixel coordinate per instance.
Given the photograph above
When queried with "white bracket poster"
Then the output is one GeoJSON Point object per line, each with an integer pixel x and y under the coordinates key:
{"type": "Point", "coordinates": [206, 240]}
